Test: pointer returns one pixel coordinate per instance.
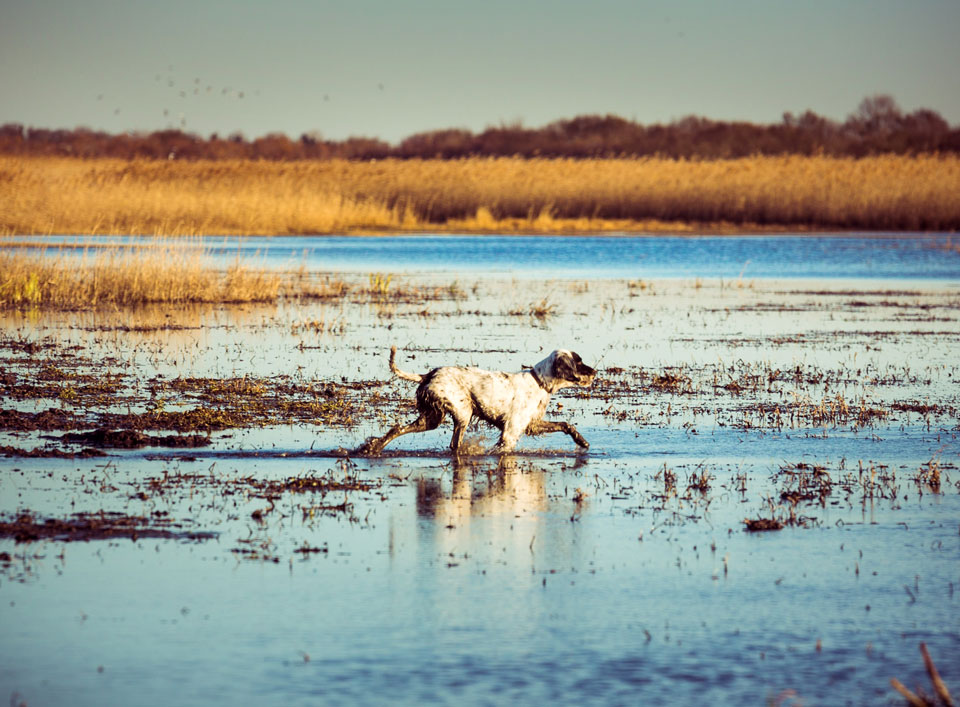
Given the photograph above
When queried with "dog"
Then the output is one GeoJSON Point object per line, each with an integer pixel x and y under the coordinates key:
{"type": "Point", "coordinates": [514, 403]}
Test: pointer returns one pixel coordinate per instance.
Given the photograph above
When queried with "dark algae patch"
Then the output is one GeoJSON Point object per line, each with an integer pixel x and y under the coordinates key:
{"type": "Point", "coordinates": [757, 525]}
{"type": "Point", "coordinates": [52, 419]}
{"type": "Point", "coordinates": [39, 453]}
{"type": "Point", "coordinates": [27, 527]}
{"type": "Point", "coordinates": [179, 404]}
{"type": "Point", "coordinates": [268, 503]}
{"type": "Point", "coordinates": [131, 439]}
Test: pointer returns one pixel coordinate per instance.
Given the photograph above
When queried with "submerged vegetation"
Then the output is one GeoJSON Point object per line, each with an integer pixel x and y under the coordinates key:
{"type": "Point", "coordinates": [54, 195]}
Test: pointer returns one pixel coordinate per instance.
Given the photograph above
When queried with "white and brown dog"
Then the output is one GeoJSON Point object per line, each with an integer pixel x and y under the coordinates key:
{"type": "Point", "coordinates": [514, 403]}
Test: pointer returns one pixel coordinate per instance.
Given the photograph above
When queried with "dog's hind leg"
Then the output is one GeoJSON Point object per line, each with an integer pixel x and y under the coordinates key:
{"type": "Point", "coordinates": [459, 425]}
{"type": "Point", "coordinates": [539, 427]}
{"type": "Point", "coordinates": [427, 421]}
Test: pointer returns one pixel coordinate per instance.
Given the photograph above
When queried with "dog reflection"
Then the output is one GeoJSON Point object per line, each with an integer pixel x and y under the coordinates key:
{"type": "Point", "coordinates": [480, 489]}
{"type": "Point", "coordinates": [483, 490]}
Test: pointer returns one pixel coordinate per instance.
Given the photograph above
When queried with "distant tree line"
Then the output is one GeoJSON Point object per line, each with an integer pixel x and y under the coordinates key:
{"type": "Point", "coordinates": [877, 126]}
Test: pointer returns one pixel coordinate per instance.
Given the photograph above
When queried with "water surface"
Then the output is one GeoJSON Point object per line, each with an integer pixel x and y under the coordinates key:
{"type": "Point", "coordinates": [847, 256]}
{"type": "Point", "coordinates": [550, 575]}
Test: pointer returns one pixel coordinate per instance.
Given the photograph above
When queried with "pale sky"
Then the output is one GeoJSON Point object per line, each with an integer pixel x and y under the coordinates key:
{"type": "Point", "coordinates": [389, 69]}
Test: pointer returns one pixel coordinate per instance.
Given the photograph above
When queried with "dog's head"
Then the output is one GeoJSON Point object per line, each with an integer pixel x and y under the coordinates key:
{"type": "Point", "coordinates": [562, 369]}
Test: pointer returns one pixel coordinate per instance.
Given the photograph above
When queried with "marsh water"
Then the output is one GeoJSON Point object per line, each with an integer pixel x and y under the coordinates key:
{"type": "Point", "coordinates": [812, 381]}
{"type": "Point", "coordinates": [851, 256]}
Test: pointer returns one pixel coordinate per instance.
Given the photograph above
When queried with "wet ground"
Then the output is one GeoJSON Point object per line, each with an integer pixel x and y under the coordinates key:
{"type": "Point", "coordinates": [769, 510]}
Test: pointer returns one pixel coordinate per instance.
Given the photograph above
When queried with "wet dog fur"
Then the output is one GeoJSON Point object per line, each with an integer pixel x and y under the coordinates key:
{"type": "Point", "coordinates": [514, 403]}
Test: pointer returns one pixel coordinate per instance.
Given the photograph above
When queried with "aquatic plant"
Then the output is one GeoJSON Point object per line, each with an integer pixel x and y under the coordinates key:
{"type": "Point", "coordinates": [920, 698]}
{"type": "Point", "coordinates": [380, 284]}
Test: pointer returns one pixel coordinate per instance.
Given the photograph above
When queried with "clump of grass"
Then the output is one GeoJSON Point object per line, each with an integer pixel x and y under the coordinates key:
{"type": "Point", "coordinates": [318, 326]}
{"type": "Point", "coordinates": [671, 381]}
{"type": "Point", "coordinates": [669, 479]}
{"type": "Point", "coordinates": [805, 482]}
{"type": "Point", "coordinates": [543, 309]}
{"type": "Point", "coordinates": [699, 482]}
{"type": "Point", "coordinates": [836, 411]}
{"type": "Point", "coordinates": [780, 517]}
{"type": "Point", "coordinates": [929, 475]}
{"type": "Point", "coordinates": [539, 310]}
{"type": "Point", "coordinates": [304, 284]}
{"type": "Point", "coordinates": [380, 284]}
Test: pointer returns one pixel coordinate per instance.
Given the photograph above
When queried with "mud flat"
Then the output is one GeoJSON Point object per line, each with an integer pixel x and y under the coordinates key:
{"type": "Point", "coordinates": [768, 510]}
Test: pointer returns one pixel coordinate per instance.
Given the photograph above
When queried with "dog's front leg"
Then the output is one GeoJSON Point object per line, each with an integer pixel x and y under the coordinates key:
{"type": "Point", "coordinates": [539, 427]}
{"type": "Point", "coordinates": [457, 439]}
{"type": "Point", "coordinates": [509, 437]}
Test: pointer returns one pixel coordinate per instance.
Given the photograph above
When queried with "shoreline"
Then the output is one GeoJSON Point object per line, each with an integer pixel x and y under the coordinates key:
{"type": "Point", "coordinates": [7, 240]}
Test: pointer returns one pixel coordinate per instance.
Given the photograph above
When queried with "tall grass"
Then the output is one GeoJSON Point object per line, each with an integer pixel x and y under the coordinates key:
{"type": "Point", "coordinates": [130, 276]}
{"type": "Point", "coordinates": [67, 196]}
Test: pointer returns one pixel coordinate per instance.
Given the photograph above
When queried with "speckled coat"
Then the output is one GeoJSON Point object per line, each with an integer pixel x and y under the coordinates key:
{"type": "Point", "coordinates": [514, 403]}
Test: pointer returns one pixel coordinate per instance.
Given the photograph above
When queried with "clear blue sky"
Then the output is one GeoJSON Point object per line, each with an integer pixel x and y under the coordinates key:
{"type": "Point", "coordinates": [392, 68]}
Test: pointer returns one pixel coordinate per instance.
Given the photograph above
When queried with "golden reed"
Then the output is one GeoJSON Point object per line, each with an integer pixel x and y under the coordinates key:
{"type": "Point", "coordinates": [46, 195]}
{"type": "Point", "coordinates": [61, 278]}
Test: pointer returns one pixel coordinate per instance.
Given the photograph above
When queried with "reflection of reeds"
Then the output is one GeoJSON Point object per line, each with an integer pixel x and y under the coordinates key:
{"type": "Point", "coordinates": [62, 195]}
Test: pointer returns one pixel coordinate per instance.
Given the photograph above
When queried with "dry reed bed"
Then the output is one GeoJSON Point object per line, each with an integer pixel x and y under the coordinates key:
{"type": "Point", "coordinates": [135, 276]}
{"type": "Point", "coordinates": [177, 271]}
{"type": "Point", "coordinates": [63, 195]}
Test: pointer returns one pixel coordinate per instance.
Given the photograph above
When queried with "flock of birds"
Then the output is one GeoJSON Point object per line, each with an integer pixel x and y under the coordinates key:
{"type": "Point", "coordinates": [198, 88]}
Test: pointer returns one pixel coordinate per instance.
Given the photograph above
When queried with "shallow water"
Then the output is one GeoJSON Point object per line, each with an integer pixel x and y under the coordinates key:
{"type": "Point", "coordinates": [548, 575]}
{"type": "Point", "coordinates": [920, 256]}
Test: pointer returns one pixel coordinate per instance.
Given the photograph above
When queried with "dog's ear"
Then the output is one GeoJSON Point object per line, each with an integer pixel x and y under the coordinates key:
{"type": "Point", "coordinates": [580, 367]}
{"type": "Point", "coordinates": [564, 368]}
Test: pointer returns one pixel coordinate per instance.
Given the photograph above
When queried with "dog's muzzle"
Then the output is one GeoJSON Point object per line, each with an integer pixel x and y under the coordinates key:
{"type": "Point", "coordinates": [585, 375]}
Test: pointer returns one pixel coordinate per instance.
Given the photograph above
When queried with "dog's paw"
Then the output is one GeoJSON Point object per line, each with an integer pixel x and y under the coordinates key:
{"type": "Point", "coordinates": [578, 438]}
{"type": "Point", "coordinates": [370, 448]}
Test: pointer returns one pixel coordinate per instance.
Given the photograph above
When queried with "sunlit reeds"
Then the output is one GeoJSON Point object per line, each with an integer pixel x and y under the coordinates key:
{"type": "Point", "coordinates": [124, 277]}
{"type": "Point", "coordinates": [74, 196]}
{"type": "Point", "coordinates": [179, 271]}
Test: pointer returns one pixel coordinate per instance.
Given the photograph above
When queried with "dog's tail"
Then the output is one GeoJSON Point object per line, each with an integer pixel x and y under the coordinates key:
{"type": "Point", "coordinates": [416, 378]}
